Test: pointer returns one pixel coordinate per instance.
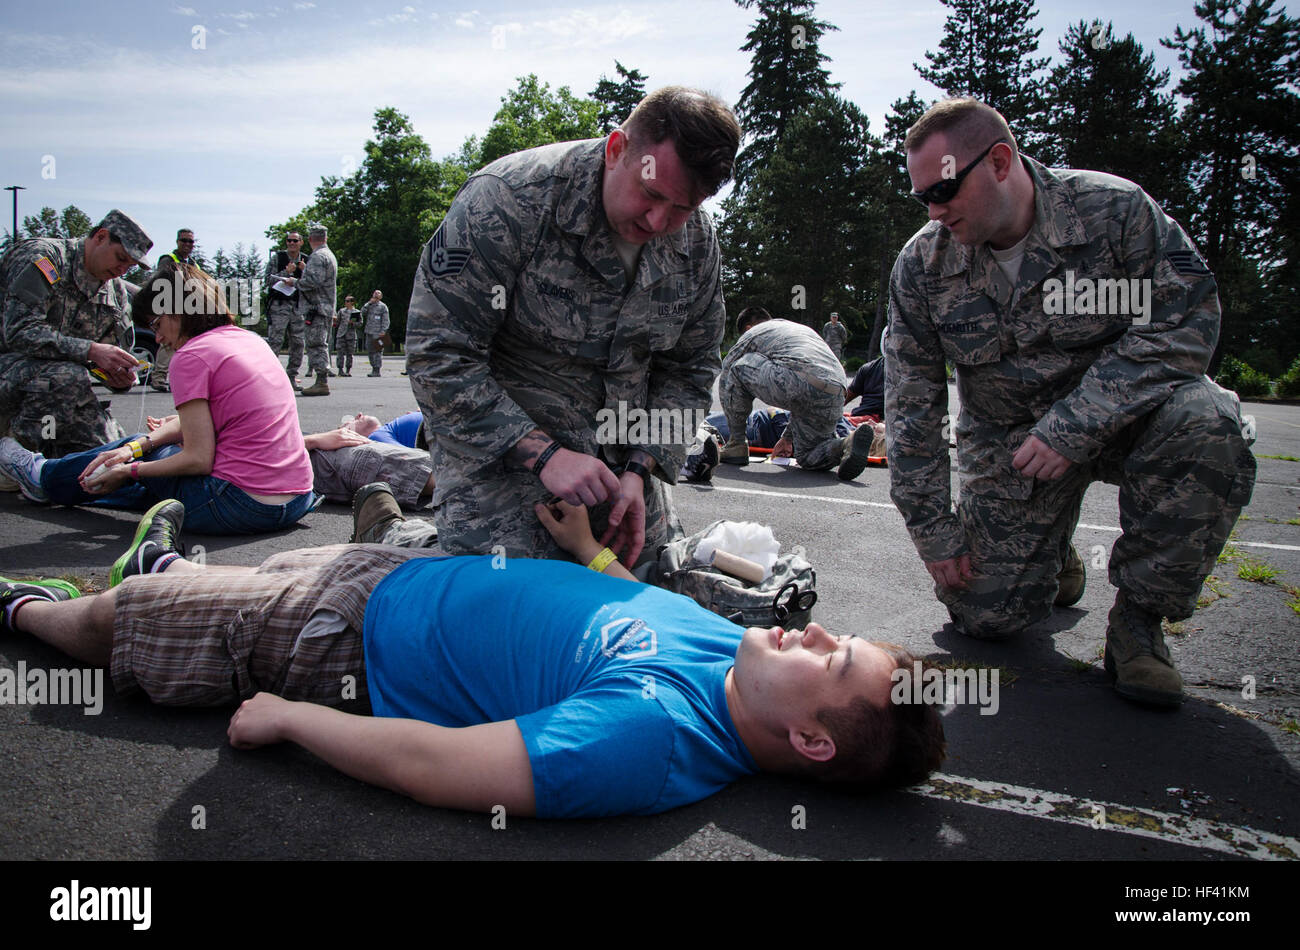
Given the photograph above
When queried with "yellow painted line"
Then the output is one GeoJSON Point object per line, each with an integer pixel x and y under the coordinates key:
{"type": "Point", "coordinates": [1169, 827]}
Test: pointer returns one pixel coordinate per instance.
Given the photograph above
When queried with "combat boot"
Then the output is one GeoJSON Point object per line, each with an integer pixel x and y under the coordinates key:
{"type": "Point", "coordinates": [374, 511]}
{"type": "Point", "coordinates": [1071, 581]}
{"type": "Point", "coordinates": [857, 450]}
{"type": "Point", "coordinates": [320, 388]}
{"type": "Point", "coordinates": [293, 381]}
{"type": "Point", "coordinates": [1137, 660]}
{"type": "Point", "coordinates": [736, 451]}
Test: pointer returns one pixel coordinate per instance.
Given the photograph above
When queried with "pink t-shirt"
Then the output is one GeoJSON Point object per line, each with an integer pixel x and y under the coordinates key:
{"type": "Point", "coordinates": [254, 413]}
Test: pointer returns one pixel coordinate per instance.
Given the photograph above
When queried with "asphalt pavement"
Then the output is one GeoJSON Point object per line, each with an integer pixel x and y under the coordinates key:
{"type": "Point", "coordinates": [1064, 769]}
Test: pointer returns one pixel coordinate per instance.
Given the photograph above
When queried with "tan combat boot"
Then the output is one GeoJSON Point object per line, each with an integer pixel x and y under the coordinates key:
{"type": "Point", "coordinates": [1137, 659]}
{"type": "Point", "coordinates": [736, 451]}
{"type": "Point", "coordinates": [320, 388]}
{"type": "Point", "coordinates": [374, 510]}
{"type": "Point", "coordinates": [1071, 581]}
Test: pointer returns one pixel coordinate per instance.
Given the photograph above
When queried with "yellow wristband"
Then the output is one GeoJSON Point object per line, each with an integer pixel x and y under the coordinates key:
{"type": "Point", "coordinates": [604, 559]}
{"type": "Point", "coordinates": [137, 451]}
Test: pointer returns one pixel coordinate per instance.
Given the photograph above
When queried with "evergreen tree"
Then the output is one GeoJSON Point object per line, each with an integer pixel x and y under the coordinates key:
{"type": "Point", "coordinates": [987, 52]}
{"type": "Point", "coordinates": [786, 76]}
{"type": "Point", "coordinates": [1242, 122]}
{"type": "Point", "coordinates": [1109, 112]}
{"type": "Point", "coordinates": [618, 99]}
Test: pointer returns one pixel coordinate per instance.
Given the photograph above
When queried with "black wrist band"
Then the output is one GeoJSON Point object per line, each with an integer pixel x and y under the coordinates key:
{"type": "Point", "coordinates": [636, 468]}
{"type": "Point", "coordinates": [544, 458]}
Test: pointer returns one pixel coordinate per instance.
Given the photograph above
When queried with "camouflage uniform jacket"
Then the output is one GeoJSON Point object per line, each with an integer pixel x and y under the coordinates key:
{"type": "Point", "coordinates": [53, 309]}
{"type": "Point", "coordinates": [522, 317]}
{"type": "Point", "coordinates": [835, 334]}
{"type": "Point", "coordinates": [374, 318]}
{"type": "Point", "coordinates": [1024, 365]}
{"type": "Point", "coordinates": [273, 276]}
{"type": "Point", "coordinates": [318, 285]}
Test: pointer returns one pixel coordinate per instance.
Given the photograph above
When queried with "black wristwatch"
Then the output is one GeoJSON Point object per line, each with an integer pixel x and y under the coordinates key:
{"type": "Point", "coordinates": [636, 468]}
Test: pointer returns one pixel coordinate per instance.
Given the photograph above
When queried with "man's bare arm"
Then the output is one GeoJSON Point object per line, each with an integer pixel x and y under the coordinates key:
{"type": "Point", "coordinates": [472, 768]}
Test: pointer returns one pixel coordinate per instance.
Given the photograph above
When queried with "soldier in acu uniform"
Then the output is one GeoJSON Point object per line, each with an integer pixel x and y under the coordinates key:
{"type": "Point", "coordinates": [284, 306]}
{"type": "Point", "coordinates": [1055, 393]}
{"type": "Point", "coordinates": [836, 335]}
{"type": "Point", "coordinates": [787, 364]}
{"type": "Point", "coordinates": [374, 324]}
{"type": "Point", "coordinates": [347, 321]}
{"type": "Point", "coordinates": [319, 289]}
{"type": "Point", "coordinates": [566, 280]}
{"type": "Point", "coordinates": [63, 307]}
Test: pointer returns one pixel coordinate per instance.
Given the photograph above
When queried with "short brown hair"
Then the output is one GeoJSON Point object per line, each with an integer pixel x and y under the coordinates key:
{"type": "Point", "coordinates": [970, 125]}
{"type": "Point", "coordinates": [174, 289]}
{"type": "Point", "coordinates": [702, 127]}
{"type": "Point", "coordinates": [751, 316]}
{"type": "Point", "coordinates": [882, 748]}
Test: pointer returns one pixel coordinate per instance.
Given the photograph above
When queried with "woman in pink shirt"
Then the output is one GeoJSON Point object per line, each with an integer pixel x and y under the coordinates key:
{"type": "Point", "coordinates": [233, 454]}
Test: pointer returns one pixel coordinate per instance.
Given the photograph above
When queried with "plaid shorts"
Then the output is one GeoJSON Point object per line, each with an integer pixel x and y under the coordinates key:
{"type": "Point", "coordinates": [340, 472]}
{"type": "Point", "coordinates": [215, 639]}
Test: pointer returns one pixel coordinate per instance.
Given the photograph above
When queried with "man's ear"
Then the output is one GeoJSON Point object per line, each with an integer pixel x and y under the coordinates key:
{"type": "Point", "coordinates": [813, 743]}
{"type": "Point", "coordinates": [1002, 159]}
{"type": "Point", "coordinates": [615, 146]}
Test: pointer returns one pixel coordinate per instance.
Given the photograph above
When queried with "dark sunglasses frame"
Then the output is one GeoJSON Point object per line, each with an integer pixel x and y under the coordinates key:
{"type": "Point", "coordinates": [943, 191]}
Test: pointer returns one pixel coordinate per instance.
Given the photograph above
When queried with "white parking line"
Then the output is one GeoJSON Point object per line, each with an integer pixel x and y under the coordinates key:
{"type": "Point", "coordinates": [1170, 827]}
{"type": "Point", "coordinates": [890, 505]}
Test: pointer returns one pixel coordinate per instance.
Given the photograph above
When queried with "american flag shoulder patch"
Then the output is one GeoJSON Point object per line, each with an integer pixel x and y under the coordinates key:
{"type": "Point", "coordinates": [446, 261]}
{"type": "Point", "coordinates": [47, 269]}
{"type": "Point", "coordinates": [1187, 262]}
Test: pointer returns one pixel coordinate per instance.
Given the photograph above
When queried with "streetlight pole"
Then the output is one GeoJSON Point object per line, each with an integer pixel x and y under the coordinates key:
{"type": "Point", "coordinates": [15, 189]}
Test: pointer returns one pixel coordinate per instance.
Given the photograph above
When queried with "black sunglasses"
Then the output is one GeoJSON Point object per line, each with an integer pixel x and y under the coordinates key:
{"type": "Point", "coordinates": [941, 192]}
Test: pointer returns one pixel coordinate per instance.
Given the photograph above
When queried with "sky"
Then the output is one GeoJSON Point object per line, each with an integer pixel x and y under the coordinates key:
{"type": "Point", "coordinates": [224, 116]}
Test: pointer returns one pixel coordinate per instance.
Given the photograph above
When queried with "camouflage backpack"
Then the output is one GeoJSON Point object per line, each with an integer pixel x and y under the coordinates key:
{"type": "Point", "coordinates": [785, 598]}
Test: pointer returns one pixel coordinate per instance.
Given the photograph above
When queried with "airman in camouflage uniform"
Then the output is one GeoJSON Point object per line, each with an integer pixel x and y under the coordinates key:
{"type": "Point", "coordinates": [1057, 393]}
{"type": "Point", "coordinates": [63, 306]}
{"type": "Point", "coordinates": [318, 287]}
{"type": "Point", "coordinates": [347, 322]}
{"type": "Point", "coordinates": [374, 324]}
{"type": "Point", "coordinates": [566, 280]}
{"type": "Point", "coordinates": [787, 364]}
{"type": "Point", "coordinates": [836, 335]}
{"type": "Point", "coordinates": [284, 311]}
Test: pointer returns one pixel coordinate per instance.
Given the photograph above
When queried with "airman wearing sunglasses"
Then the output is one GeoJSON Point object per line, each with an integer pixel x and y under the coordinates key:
{"type": "Point", "coordinates": [1030, 282]}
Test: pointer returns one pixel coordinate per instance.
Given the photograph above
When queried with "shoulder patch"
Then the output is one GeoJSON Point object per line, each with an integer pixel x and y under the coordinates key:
{"type": "Point", "coordinates": [446, 261]}
{"type": "Point", "coordinates": [47, 269]}
{"type": "Point", "coordinates": [1187, 262]}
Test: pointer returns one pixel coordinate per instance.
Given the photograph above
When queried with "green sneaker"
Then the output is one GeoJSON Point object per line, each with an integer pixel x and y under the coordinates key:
{"type": "Point", "coordinates": [1137, 660]}
{"type": "Point", "coordinates": [13, 594]}
{"type": "Point", "coordinates": [157, 536]}
{"type": "Point", "coordinates": [1072, 580]}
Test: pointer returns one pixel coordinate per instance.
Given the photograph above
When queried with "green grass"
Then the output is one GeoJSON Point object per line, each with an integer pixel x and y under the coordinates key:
{"type": "Point", "coordinates": [1282, 458]}
{"type": "Point", "coordinates": [1215, 586]}
{"type": "Point", "coordinates": [1178, 629]}
{"type": "Point", "coordinates": [1294, 602]}
{"type": "Point", "coordinates": [1229, 552]}
{"type": "Point", "coordinates": [1258, 571]}
{"type": "Point", "coordinates": [1291, 726]}
{"type": "Point", "coordinates": [1292, 521]}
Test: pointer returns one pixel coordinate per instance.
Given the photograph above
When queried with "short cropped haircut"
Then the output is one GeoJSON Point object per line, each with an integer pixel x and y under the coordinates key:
{"type": "Point", "coordinates": [702, 127]}
{"type": "Point", "coordinates": [749, 317]}
{"type": "Point", "coordinates": [183, 231]}
{"type": "Point", "coordinates": [882, 748]}
{"type": "Point", "coordinates": [970, 125]}
{"type": "Point", "coordinates": [183, 286]}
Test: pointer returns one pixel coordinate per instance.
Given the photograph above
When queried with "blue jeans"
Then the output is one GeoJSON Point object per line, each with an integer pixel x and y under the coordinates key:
{"type": "Point", "coordinates": [212, 505]}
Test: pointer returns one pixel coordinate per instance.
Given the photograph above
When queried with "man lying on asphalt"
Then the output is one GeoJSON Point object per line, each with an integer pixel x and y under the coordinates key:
{"type": "Point", "coordinates": [540, 686]}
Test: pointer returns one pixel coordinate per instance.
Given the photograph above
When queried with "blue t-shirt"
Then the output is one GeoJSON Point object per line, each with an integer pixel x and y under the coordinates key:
{"type": "Point", "coordinates": [401, 431]}
{"type": "Point", "coordinates": [617, 687]}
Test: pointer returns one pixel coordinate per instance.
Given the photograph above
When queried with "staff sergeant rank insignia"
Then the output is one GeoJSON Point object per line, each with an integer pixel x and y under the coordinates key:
{"type": "Point", "coordinates": [446, 261]}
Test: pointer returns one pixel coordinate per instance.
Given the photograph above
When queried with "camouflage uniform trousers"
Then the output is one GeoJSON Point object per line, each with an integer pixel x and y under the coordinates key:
{"type": "Point", "coordinates": [1184, 473]}
{"type": "Point", "coordinates": [317, 334]}
{"type": "Point", "coordinates": [158, 375]}
{"type": "Point", "coordinates": [345, 347]}
{"type": "Point", "coordinates": [50, 407]}
{"type": "Point", "coordinates": [814, 411]}
{"type": "Point", "coordinates": [376, 352]}
{"type": "Point", "coordinates": [476, 519]}
{"type": "Point", "coordinates": [282, 318]}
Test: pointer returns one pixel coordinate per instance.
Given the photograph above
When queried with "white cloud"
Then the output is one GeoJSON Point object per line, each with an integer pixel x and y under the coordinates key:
{"type": "Point", "coordinates": [462, 21]}
{"type": "Point", "coordinates": [304, 6]}
{"type": "Point", "coordinates": [185, 11]}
